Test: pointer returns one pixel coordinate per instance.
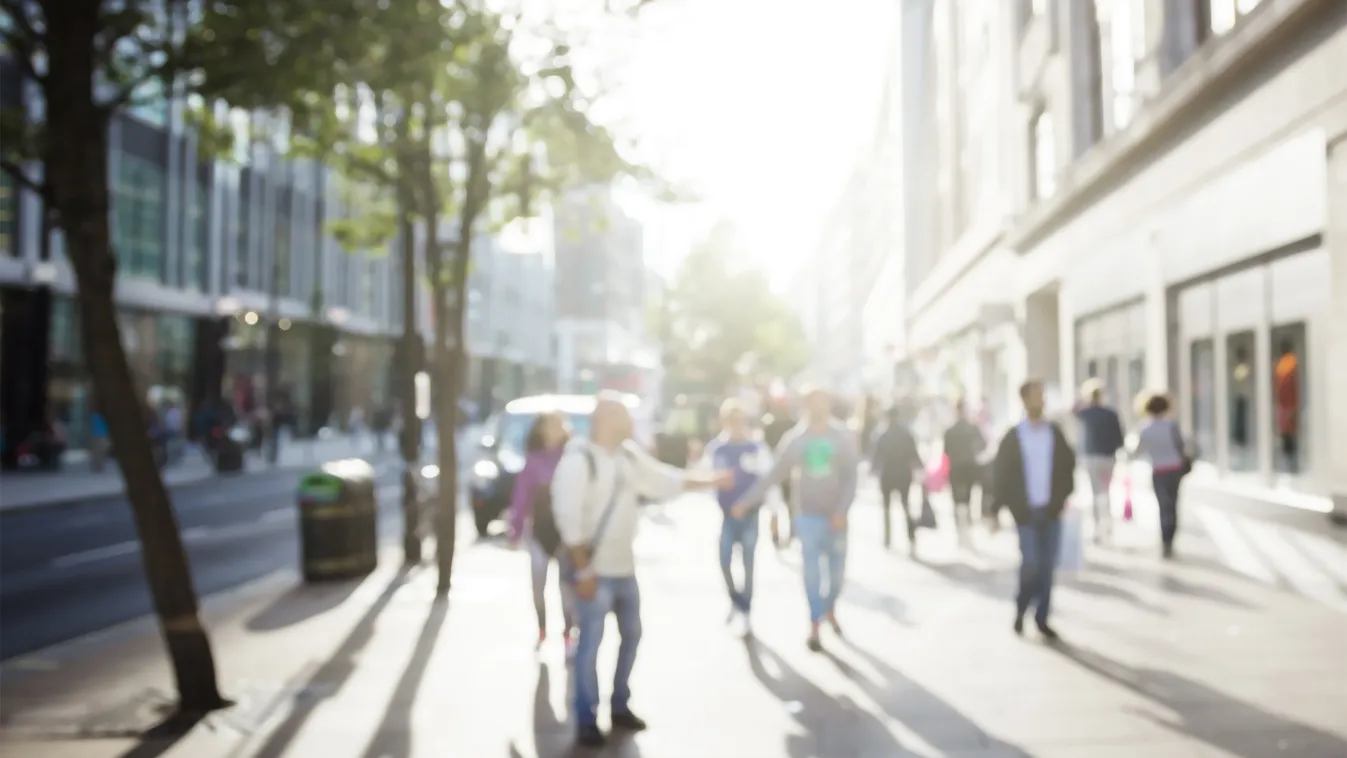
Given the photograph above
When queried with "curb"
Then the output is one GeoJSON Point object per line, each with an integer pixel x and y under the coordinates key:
{"type": "Point", "coordinates": [75, 502]}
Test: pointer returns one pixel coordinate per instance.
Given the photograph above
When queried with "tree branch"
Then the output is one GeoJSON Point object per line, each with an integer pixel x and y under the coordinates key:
{"type": "Point", "coordinates": [22, 39]}
{"type": "Point", "coordinates": [27, 182]}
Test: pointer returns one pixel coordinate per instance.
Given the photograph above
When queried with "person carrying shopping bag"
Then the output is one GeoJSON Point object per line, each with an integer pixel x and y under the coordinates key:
{"type": "Point", "coordinates": [896, 461]}
{"type": "Point", "coordinates": [964, 446]}
{"type": "Point", "coordinates": [1161, 442]}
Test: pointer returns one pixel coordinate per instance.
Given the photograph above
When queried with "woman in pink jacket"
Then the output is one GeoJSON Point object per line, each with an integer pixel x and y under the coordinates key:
{"type": "Point", "coordinates": [546, 441]}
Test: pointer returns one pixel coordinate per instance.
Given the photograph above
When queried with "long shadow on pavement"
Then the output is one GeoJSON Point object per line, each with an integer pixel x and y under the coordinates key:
{"type": "Point", "coordinates": [1000, 583]}
{"type": "Point", "coordinates": [329, 678]}
{"type": "Point", "coordinates": [163, 737]}
{"type": "Point", "coordinates": [554, 736]}
{"type": "Point", "coordinates": [833, 725]}
{"type": "Point", "coordinates": [1170, 584]}
{"type": "Point", "coordinates": [931, 718]}
{"type": "Point", "coordinates": [393, 738]}
{"type": "Point", "coordinates": [859, 593]}
{"type": "Point", "coordinates": [300, 603]}
{"type": "Point", "coordinates": [1206, 714]}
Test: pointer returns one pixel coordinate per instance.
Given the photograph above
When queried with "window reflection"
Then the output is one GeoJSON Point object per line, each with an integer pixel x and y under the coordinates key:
{"type": "Point", "coordinates": [1243, 433]}
{"type": "Point", "coordinates": [1203, 403]}
{"type": "Point", "coordinates": [1136, 383]}
{"type": "Point", "coordinates": [1288, 397]}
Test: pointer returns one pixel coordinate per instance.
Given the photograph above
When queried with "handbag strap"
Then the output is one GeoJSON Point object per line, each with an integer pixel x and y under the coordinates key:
{"type": "Point", "coordinates": [608, 510]}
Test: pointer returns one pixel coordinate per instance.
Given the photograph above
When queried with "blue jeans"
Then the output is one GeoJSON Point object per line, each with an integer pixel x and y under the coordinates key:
{"type": "Point", "coordinates": [620, 596]}
{"type": "Point", "coordinates": [744, 533]}
{"type": "Point", "coordinates": [1040, 539]}
{"type": "Point", "coordinates": [821, 545]}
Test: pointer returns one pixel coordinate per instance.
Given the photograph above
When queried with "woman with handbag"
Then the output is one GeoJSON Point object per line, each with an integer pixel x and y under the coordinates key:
{"type": "Point", "coordinates": [1160, 441]}
{"type": "Point", "coordinates": [531, 518]}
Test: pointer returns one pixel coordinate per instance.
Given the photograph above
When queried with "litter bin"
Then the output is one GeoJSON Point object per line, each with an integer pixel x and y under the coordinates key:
{"type": "Point", "coordinates": [338, 521]}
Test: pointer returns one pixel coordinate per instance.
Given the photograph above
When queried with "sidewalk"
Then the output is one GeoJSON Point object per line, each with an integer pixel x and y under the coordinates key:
{"type": "Point", "coordinates": [1161, 660]}
{"type": "Point", "coordinates": [38, 489]}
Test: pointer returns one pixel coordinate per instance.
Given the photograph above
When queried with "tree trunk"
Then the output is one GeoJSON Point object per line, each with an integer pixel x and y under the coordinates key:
{"type": "Point", "coordinates": [77, 176]}
{"type": "Point", "coordinates": [450, 288]}
{"type": "Point", "coordinates": [413, 351]}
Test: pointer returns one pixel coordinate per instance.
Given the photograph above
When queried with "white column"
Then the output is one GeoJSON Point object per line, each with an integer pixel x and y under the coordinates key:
{"type": "Point", "coordinates": [1066, 340]}
{"type": "Point", "coordinates": [1158, 331]}
{"type": "Point", "coordinates": [1335, 239]}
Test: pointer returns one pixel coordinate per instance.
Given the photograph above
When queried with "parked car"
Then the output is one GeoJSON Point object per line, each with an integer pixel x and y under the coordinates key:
{"type": "Point", "coordinates": [501, 449]}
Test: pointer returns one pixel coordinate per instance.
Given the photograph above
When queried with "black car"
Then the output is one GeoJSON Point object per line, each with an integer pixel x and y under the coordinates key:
{"type": "Point", "coordinates": [491, 480]}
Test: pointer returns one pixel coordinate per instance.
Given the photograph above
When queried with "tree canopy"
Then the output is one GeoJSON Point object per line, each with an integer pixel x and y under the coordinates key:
{"type": "Point", "coordinates": [721, 323]}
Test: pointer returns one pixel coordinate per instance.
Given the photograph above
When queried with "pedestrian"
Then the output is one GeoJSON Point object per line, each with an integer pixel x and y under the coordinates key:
{"type": "Point", "coordinates": [742, 459]}
{"type": "Point", "coordinates": [896, 461]}
{"type": "Point", "coordinates": [822, 455]}
{"type": "Point", "coordinates": [1035, 474]}
{"type": "Point", "coordinates": [1161, 442]}
{"type": "Point", "coordinates": [964, 445]}
{"type": "Point", "coordinates": [774, 429]}
{"type": "Point", "coordinates": [595, 499]}
{"type": "Point", "coordinates": [99, 442]}
{"type": "Point", "coordinates": [1101, 439]}
{"type": "Point", "coordinates": [532, 520]}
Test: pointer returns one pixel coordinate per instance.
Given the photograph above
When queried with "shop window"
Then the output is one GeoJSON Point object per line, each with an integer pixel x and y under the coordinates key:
{"type": "Point", "coordinates": [1242, 429]}
{"type": "Point", "coordinates": [1111, 385]}
{"type": "Point", "coordinates": [138, 217]}
{"type": "Point", "coordinates": [198, 239]}
{"type": "Point", "coordinates": [281, 245]}
{"type": "Point", "coordinates": [243, 253]}
{"type": "Point", "coordinates": [1202, 403]}
{"type": "Point", "coordinates": [1224, 15]}
{"type": "Point", "coordinates": [1136, 384]}
{"type": "Point", "coordinates": [1288, 398]}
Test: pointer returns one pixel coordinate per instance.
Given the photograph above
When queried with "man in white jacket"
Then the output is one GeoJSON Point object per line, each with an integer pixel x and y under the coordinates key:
{"type": "Point", "coordinates": [596, 494]}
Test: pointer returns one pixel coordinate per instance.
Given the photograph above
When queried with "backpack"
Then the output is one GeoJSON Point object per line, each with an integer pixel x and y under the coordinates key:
{"type": "Point", "coordinates": [544, 520]}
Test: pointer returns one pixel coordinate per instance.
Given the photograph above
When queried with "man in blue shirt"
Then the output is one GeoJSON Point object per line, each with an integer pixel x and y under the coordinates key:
{"type": "Point", "coordinates": [1035, 474]}
{"type": "Point", "coordinates": [737, 453]}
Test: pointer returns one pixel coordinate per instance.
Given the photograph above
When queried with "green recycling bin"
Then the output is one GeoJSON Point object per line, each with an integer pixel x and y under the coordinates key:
{"type": "Point", "coordinates": [338, 521]}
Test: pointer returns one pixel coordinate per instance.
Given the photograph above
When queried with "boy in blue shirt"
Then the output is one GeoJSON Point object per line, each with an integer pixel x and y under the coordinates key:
{"type": "Point", "coordinates": [736, 451]}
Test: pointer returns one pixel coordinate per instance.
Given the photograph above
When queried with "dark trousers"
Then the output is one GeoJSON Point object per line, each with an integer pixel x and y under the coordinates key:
{"type": "Point", "coordinates": [1040, 539]}
{"type": "Point", "coordinates": [1166, 484]}
{"type": "Point", "coordinates": [903, 490]}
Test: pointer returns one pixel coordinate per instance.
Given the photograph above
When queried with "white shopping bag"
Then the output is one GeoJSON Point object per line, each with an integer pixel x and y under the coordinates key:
{"type": "Point", "coordinates": [1071, 553]}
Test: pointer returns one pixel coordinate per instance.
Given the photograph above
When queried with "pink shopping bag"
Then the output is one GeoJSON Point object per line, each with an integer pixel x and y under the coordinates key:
{"type": "Point", "coordinates": [1127, 497]}
{"type": "Point", "coordinates": [937, 477]}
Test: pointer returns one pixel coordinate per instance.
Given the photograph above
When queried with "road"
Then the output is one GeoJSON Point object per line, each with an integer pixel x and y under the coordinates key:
{"type": "Point", "coordinates": [70, 570]}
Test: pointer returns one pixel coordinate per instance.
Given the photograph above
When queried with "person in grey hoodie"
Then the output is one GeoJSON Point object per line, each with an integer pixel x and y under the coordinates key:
{"type": "Point", "coordinates": [821, 455]}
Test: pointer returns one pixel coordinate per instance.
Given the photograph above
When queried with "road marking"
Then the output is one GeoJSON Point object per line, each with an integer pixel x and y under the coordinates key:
{"type": "Point", "coordinates": [97, 554]}
{"type": "Point", "coordinates": [1234, 550]}
{"type": "Point", "coordinates": [192, 534]}
{"type": "Point", "coordinates": [280, 514]}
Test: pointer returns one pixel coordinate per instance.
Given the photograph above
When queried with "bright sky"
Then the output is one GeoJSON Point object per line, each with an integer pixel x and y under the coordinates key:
{"type": "Point", "coordinates": [759, 106]}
